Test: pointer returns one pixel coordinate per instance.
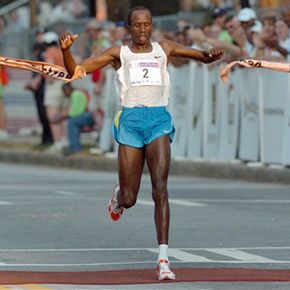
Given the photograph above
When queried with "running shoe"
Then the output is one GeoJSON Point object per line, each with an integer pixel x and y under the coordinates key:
{"type": "Point", "coordinates": [114, 210]}
{"type": "Point", "coordinates": [163, 271]}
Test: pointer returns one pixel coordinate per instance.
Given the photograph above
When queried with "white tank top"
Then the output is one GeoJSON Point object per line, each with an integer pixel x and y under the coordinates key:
{"type": "Point", "coordinates": [143, 77]}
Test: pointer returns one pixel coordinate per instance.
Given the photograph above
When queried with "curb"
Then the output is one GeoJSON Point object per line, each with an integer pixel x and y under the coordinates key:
{"type": "Point", "coordinates": [209, 169]}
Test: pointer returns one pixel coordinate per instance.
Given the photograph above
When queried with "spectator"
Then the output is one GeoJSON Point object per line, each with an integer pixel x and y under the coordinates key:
{"type": "Point", "coordinates": [219, 20]}
{"type": "Point", "coordinates": [61, 12]}
{"type": "Point", "coordinates": [3, 82]}
{"type": "Point", "coordinates": [185, 9]}
{"type": "Point", "coordinates": [37, 87]}
{"type": "Point", "coordinates": [248, 18]}
{"type": "Point", "coordinates": [89, 40]}
{"type": "Point", "coordinates": [157, 35]}
{"type": "Point", "coordinates": [282, 32]}
{"type": "Point", "coordinates": [286, 17]}
{"type": "Point", "coordinates": [270, 48]}
{"type": "Point", "coordinates": [54, 99]}
{"type": "Point", "coordinates": [182, 24]}
{"type": "Point", "coordinates": [180, 37]}
{"type": "Point", "coordinates": [201, 41]}
{"type": "Point", "coordinates": [219, 17]}
{"type": "Point", "coordinates": [118, 33]}
{"type": "Point", "coordinates": [14, 24]}
{"type": "Point", "coordinates": [78, 117]}
{"type": "Point", "coordinates": [45, 11]}
{"type": "Point", "coordinates": [14, 40]}
{"type": "Point", "coordinates": [78, 8]}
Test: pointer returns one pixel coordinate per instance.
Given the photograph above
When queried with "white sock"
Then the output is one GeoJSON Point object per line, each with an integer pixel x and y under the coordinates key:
{"type": "Point", "coordinates": [163, 252]}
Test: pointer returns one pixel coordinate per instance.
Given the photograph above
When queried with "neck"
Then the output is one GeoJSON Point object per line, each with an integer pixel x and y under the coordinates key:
{"type": "Point", "coordinates": [141, 47]}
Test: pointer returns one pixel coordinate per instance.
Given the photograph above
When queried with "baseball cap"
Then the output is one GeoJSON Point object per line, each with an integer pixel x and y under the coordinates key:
{"type": "Point", "coordinates": [218, 12]}
{"type": "Point", "coordinates": [246, 14]}
{"type": "Point", "coordinates": [40, 30]}
{"type": "Point", "coordinates": [257, 27]}
{"type": "Point", "coordinates": [50, 37]}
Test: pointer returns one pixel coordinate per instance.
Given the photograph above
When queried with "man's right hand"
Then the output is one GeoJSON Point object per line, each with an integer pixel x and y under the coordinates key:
{"type": "Point", "coordinates": [66, 40]}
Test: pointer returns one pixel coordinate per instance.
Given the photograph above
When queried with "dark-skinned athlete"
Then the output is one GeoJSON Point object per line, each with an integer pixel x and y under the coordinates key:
{"type": "Point", "coordinates": [143, 128]}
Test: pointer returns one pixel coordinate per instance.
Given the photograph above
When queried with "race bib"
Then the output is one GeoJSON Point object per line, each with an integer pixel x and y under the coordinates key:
{"type": "Point", "coordinates": [145, 73]}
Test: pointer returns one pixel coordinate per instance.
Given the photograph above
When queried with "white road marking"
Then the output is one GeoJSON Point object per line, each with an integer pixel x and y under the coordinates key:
{"type": "Point", "coordinates": [5, 202]}
{"type": "Point", "coordinates": [223, 186]}
{"type": "Point", "coordinates": [183, 202]}
{"type": "Point", "coordinates": [138, 249]}
{"type": "Point", "coordinates": [226, 200]}
{"type": "Point", "coordinates": [241, 255]}
{"type": "Point", "coordinates": [184, 256]}
{"type": "Point", "coordinates": [135, 262]}
{"type": "Point", "coordinates": [145, 202]}
{"type": "Point", "coordinates": [67, 193]}
{"type": "Point", "coordinates": [177, 253]}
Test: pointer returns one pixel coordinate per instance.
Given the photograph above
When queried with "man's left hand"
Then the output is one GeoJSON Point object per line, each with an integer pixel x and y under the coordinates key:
{"type": "Point", "coordinates": [216, 53]}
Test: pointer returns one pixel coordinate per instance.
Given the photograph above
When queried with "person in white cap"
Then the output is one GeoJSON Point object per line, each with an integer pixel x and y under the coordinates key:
{"type": "Point", "coordinates": [247, 17]}
{"type": "Point", "coordinates": [54, 99]}
{"type": "Point", "coordinates": [248, 20]}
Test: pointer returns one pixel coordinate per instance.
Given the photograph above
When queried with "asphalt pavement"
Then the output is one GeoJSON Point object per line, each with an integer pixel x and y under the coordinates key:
{"type": "Point", "coordinates": [24, 150]}
{"type": "Point", "coordinates": [55, 233]}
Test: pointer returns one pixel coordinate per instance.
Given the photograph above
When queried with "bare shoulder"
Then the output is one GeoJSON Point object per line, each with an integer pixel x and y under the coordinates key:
{"type": "Point", "coordinates": [168, 46]}
{"type": "Point", "coordinates": [114, 51]}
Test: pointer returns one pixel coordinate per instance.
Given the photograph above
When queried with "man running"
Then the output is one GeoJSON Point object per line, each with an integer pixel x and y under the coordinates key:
{"type": "Point", "coordinates": [143, 128]}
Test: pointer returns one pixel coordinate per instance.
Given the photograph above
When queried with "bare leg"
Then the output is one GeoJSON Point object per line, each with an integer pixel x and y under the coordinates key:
{"type": "Point", "coordinates": [158, 159]}
{"type": "Point", "coordinates": [56, 129]}
{"type": "Point", "coordinates": [131, 163]}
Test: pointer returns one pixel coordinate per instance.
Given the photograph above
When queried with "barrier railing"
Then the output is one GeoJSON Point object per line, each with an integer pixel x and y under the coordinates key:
{"type": "Point", "coordinates": [247, 118]}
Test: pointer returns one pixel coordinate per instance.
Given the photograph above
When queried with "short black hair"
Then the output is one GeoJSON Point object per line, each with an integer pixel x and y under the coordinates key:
{"type": "Point", "coordinates": [137, 8]}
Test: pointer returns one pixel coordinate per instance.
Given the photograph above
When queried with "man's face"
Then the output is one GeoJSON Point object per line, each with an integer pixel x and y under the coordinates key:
{"type": "Point", "coordinates": [141, 27]}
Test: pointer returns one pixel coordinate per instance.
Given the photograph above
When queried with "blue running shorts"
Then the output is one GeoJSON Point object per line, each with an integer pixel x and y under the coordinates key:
{"type": "Point", "coordinates": [140, 126]}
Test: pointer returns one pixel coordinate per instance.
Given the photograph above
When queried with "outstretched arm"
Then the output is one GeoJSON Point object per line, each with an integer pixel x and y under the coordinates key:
{"type": "Point", "coordinates": [109, 56]}
{"type": "Point", "coordinates": [255, 63]}
{"type": "Point", "coordinates": [176, 49]}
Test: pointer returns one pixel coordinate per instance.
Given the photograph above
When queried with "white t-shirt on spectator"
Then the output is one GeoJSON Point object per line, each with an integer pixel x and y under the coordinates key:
{"type": "Point", "coordinates": [285, 44]}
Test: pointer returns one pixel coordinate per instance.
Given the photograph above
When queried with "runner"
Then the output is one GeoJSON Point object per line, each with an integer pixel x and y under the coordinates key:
{"type": "Point", "coordinates": [143, 128]}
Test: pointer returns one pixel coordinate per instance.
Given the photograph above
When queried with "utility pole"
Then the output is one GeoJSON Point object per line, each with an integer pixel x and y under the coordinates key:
{"type": "Point", "coordinates": [92, 8]}
{"type": "Point", "coordinates": [245, 3]}
{"type": "Point", "coordinates": [33, 13]}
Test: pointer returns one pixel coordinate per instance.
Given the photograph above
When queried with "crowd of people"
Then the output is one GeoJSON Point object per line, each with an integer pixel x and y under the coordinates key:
{"type": "Point", "coordinates": [241, 34]}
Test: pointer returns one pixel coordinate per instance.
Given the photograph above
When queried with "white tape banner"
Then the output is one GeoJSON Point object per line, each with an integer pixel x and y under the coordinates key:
{"type": "Point", "coordinates": [230, 117]}
{"type": "Point", "coordinates": [249, 130]}
{"type": "Point", "coordinates": [195, 110]}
